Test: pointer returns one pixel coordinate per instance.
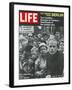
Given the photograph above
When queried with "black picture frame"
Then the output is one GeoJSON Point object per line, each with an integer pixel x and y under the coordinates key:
{"type": "Point", "coordinates": [11, 43]}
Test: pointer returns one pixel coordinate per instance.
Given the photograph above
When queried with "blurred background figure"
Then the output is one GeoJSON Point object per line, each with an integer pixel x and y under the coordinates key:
{"type": "Point", "coordinates": [34, 53]}
{"type": "Point", "coordinates": [61, 45]}
{"type": "Point", "coordinates": [30, 37]}
{"type": "Point", "coordinates": [22, 44]}
{"type": "Point", "coordinates": [22, 41]}
{"type": "Point", "coordinates": [28, 66]}
{"type": "Point", "coordinates": [57, 36]}
{"type": "Point", "coordinates": [35, 44]}
{"type": "Point", "coordinates": [50, 38]}
{"type": "Point", "coordinates": [29, 46]}
{"type": "Point", "coordinates": [39, 38]}
{"type": "Point", "coordinates": [45, 37]}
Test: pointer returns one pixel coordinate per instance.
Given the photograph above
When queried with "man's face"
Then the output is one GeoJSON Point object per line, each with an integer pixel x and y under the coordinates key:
{"type": "Point", "coordinates": [46, 37]}
{"type": "Point", "coordinates": [61, 46]}
{"type": "Point", "coordinates": [29, 38]}
{"type": "Point", "coordinates": [57, 34]}
{"type": "Point", "coordinates": [52, 47]}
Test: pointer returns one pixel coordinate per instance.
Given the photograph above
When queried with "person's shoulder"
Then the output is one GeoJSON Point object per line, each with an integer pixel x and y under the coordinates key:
{"type": "Point", "coordinates": [60, 53]}
{"type": "Point", "coordinates": [60, 56]}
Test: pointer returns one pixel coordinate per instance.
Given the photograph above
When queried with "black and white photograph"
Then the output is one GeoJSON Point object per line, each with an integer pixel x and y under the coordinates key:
{"type": "Point", "coordinates": [40, 46]}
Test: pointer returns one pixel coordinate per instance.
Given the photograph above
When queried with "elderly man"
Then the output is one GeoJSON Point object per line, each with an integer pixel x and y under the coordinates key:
{"type": "Point", "coordinates": [55, 60]}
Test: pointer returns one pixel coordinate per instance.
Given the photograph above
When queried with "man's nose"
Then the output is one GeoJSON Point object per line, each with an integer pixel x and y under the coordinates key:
{"type": "Point", "coordinates": [52, 48]}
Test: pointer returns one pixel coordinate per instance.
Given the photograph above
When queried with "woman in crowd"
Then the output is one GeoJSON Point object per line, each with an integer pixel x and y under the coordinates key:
{"type": "Point", "coordinates": [41, 62]}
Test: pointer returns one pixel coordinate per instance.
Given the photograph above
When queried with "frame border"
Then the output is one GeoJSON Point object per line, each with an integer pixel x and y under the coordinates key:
{"type": "Point", "coordinates": [11, 43]}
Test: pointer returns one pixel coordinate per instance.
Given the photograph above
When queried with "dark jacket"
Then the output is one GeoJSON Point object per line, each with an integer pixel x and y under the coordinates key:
{"type": "Point", "coordinates": [55, 64]}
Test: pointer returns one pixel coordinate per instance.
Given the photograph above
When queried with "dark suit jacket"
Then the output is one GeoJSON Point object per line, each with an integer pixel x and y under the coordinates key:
{"type": "Point", "coordinates": [55, 64]}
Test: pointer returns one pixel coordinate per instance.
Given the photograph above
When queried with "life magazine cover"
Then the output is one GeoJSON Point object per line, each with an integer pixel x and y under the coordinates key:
{"type": "Point", "coordinates": [41, 44]}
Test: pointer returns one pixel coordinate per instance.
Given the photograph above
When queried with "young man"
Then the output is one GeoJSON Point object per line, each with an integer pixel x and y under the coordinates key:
{"type": "Point", "coordinates": [55, 60]}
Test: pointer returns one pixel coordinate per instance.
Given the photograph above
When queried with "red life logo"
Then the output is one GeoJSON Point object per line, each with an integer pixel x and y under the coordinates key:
{"type": "Point", "coordinates": [28, 17]}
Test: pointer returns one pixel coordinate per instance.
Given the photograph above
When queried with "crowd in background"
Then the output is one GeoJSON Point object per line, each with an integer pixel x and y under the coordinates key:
{"type": "Point", "coordinates": [41, 55]}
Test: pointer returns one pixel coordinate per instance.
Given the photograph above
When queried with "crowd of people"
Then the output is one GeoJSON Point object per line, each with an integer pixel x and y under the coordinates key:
{"type": "Point", "coordinates": [41, 55]}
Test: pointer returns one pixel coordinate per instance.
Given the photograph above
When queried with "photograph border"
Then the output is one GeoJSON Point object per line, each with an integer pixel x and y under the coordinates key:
{"type": "Point", "coordinates": [11, 43]}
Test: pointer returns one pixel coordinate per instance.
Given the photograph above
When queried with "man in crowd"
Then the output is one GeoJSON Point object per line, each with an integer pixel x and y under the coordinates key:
{"type": "Point", "coordinates": [55, 60]}
{"type": "Point", "coordinates": [28, 66]}
{"type": "Point", "coordinates": [45, 37]}
{"type": "Point", "coordinates": [61, 45]}
{"type": "Point", "coordinates": [57, 36]}
{"type": "Point", "coordinates": [29, 46]}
